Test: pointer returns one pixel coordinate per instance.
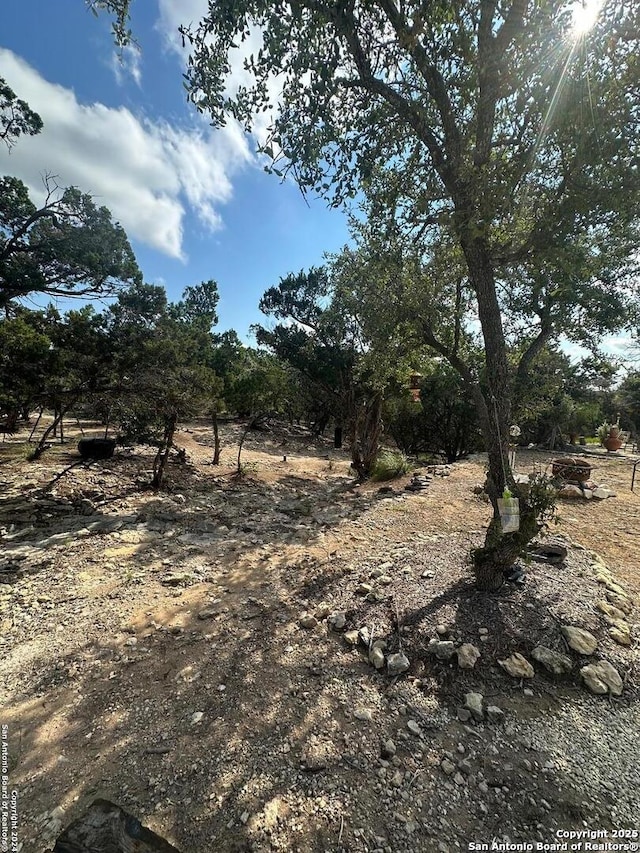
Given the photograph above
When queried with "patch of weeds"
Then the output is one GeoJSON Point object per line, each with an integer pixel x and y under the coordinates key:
{"type": "Point", "coordinates": [389, 464]}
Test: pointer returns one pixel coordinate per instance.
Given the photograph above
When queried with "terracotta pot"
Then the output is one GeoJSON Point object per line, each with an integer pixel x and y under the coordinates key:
{"type": "Point", "coordinates": [612, 442]}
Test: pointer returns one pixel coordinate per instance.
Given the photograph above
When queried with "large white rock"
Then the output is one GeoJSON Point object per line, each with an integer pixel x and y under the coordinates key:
{"type": "Point", "coordinates": [473, 703]}
{"type": "Point", "coordinates": [554, 662]}
{"type": "Point", "coordinates": [468, 654]}
{"type": "Point", "coordinates": [517, 666]}
{"type": "Point", "coordinates": [601, 678]}
{"type": "Point", "coordinates": [580, 640]}
{"type": "Point", "coordinates": [397, 664]}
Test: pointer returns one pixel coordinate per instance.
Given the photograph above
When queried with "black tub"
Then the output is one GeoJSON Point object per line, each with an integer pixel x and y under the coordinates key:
{"type": "Point", "coordinates": [96, 448]}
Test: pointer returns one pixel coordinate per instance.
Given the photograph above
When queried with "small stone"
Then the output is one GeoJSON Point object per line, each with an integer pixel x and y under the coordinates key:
{"type": "Point", "coordinates": [364, 589]}
{"type": "Point", "coordinates": [337, 620]}
{"type": "Point", "coordinates": [610, 611]}
{"type": "Point", "coordinates": [414, 728]}
{"type": "Point", "coordinates": [442, 630]}
{"type": "Point", "coordinates": [196, 717]}
{"type": "Point", "coordinates": [397, 664]}
{"type": "Point", "coordinates": [580, 640]}
{"type": "Point", "coordinates": [442, 649]}
{"type": "Point", "coordinates": [570, 491]}
{"type": "Point", "coordinates": [464, 715]}
{"type": "Point", "coordinates": [428, 573]}
{"type": "Point", "coordinates": [495, 714]}
{"type": "Point", "coordinates": [376, 657]}
{"type": "Point", "coordinates": [619, 601]}
{"type": "Point", "coordinates": [473, 703]}
{"type": "Point", "coordinates": [388, 749]}
{"type": "Point", "coordinates": [621, 633]}
{"type": "Point", "coordinates": [517, 666]}
{"type": "Point", "coordinates": [468, 654]}
{"type": "Point", "coordinates": [208, 613]}
{"type": "Point", "coordinates": [364, 714]}
{"type": "Point", "coordinates": [244, 818]}
{"type": "Point", "coordinates": [322, 611]}
{"type": "Point", "coordinates": [483, 787]}
{"type": "Point", "coordinates": [447, 766]}
{"type": "Point", "coordinates": [601, 493]}
{"type": "Point", "coordinates": [364, 635]}
{"type": "Point", "coordinates": [385, 580]}
{"type": "Point", "coordinates": [396, 779]}
{"type": "Point", "coordinates": [483, 631]}
{"type": "Point", "coordinates": [554, 662]}
{"type": "Point", "coordinates": [528, 692]}
{"type": "Point", "coordinates": [464, 766]}
{"type": "Point", "coordinates": [601, 678]}
{"type": "Point", "coordinates": [459, 779]}
{"type": "Point", "coordinates": [308, 621]}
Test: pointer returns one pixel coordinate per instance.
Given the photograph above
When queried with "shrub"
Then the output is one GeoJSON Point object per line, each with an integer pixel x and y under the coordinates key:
{"type": "Point", "coordinates": [389, 464]}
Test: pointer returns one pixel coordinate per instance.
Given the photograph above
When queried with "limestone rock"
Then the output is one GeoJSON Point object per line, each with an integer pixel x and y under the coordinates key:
{"type": "Point", "coordinates": [495, 714]}
{"type": "Point", "coordinates": [610, 611]}
{"type": "Point", "coordinates": [468, 654]}
{"type": "Point", "coordinates": [414, 728]}
{"type": "Point", "coordinates": [442, 649]}
{"type": "Point", "coordinates": [621, 633]}
{"type": "Point", "coordinates": [388, 749]}
{"type": "Point", "coordinates": [351, 637]}
{"type": "Point", "coordinates": [322, 611]}
{"type": "Point", "coordinates": [619, 601]}
{"type": "Point", "coordinates": [376, 657]}
{"type": "Point", "coordinates": [570, 491]}
{"type": "Point", "coordinates": [554, 662]}
{"type": "Point", "coordinates": [580, 640]}
{"type": "Point", "coordinates": [601, 493]}
{"type": "Point", "coordinates": [601, 678]}
{"type": "Point", "coordinates": [517, 666]}
{"type": "Point", "coordinates": [473, 703]}
{"type": "Point", "coordinates": [364, 714]}
{"type": "Point", "coordinates": [337, 620]}
{"type": "Point", "coordinates": [397, 664]}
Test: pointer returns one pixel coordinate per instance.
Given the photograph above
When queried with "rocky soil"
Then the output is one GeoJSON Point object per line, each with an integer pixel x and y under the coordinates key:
{"type": "Point", "coordinates": [277, 662]}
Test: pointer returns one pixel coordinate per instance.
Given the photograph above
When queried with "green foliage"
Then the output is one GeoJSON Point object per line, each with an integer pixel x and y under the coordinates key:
{"type": "Point", "coordinates": [445, 420]}
{"type": "Point", "coordinates": [389, 464]}
{"type": "Point", "coordinates": [67, 247]}
{"type": "Point", "coordinates": [120, 11]}
{"type": "Point", "coordinates": [16, 116]}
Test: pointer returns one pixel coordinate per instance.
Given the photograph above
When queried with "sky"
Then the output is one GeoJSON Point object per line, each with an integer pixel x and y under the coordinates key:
{"type": "Point", "coordinates": [195, 201]}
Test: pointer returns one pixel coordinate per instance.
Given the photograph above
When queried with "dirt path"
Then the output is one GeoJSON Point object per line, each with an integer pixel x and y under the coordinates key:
{"type": "Point", "coordinates": [153, 655]}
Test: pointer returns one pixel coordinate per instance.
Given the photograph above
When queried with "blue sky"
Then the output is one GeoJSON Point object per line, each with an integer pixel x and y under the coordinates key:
{"type": "Point", "coordinates": [194, 201]}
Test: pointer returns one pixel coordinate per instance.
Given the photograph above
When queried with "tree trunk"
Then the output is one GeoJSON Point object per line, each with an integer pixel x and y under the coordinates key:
{"type": "Point", "coordinates": [499, 550]}
{"type": "Point", "coordinates": [216, 440]}
{"type": "Point", "coordinates": [160, 462]}
{"type": "Point", "coordinates": [42, 444]}
{"type": "Point", "coordinates": [366, 435]}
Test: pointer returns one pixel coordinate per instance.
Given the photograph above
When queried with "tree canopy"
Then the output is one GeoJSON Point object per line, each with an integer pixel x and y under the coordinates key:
{"type": "Point", "coordinates": [66, 247]}
{"type": "Point", "coordinates": [501, 130]}
{"type": "Point", "coordinates": [16, 116]}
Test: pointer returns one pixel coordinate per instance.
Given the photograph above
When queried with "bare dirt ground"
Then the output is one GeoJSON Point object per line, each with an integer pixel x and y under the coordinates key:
{"type": "Point", "coordinates": [153, 654]}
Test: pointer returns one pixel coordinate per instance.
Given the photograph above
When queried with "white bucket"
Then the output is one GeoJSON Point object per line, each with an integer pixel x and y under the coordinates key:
{"type": "Point", "coordinates": [509, 509]}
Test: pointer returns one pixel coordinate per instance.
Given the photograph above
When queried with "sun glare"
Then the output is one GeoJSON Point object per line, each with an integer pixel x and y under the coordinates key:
{"type": "Point", "coordinates": [584, 15]}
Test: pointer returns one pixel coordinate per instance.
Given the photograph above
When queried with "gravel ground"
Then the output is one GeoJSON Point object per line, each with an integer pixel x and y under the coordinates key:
{"type": "Point", "coordinates": [153, 655]}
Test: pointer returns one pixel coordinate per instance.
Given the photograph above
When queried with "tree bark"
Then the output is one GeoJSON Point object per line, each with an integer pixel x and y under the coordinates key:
{"type": "Point", "coordinates": [216, 440]}
{"type": "Point", "coordinates": [160, 462]}
{"type": "Point", "coordinates": [366, 435]}
{"type": "Point", "coordinates": [499, 550]}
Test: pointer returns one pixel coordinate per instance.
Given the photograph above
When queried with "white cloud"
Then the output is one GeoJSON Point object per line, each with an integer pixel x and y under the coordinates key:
{"type": "Point", "coordinates": [127, 62]}
{"type": "Point", "coordinates": [176, 13]}
{"type": "Point", "coordinates": [145, 172]}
